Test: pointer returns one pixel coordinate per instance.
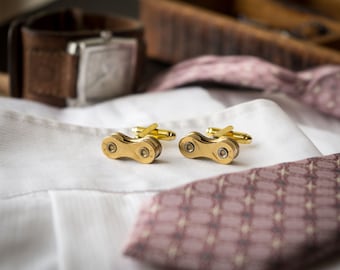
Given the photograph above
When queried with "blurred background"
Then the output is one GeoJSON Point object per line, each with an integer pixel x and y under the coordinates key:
{"type": "Point", "coordinates": [10, 9]}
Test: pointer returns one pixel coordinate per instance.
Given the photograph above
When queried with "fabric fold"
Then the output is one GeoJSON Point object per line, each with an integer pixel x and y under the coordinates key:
{"type": "Point", "coordinates": [26, 233]}
{"type": "Point", "coordinates": [281, 217]}
{"type": "Point", "coordinates": [92, 227]}
{"type": "Point", "coordinates": [58, 156]}
{"type": "Point", "coordinates": [124, 111]}
{"type": "Point", "coordinates": [317, 87]}
{"type": "Point", "coordinates": [65, 206]}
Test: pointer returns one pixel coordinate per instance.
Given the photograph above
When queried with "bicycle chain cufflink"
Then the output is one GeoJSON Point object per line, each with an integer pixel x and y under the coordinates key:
{"type": "Point", "coordinates": [222, 146]}
{"type": "Point", "coordinates": [144, 147]}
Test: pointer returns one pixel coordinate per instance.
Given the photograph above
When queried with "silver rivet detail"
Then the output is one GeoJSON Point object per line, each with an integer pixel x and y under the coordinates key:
{"type": "Point", "coordinates": [144, 152]}
{"type": "Point", "coordinates": [189, 147]}
{"type": "Point", "coordinates": [222, 152]}
{"type": "Point", "coordinates": [112, 148]}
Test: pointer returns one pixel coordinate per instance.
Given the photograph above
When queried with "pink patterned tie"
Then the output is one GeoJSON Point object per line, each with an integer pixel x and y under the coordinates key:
{"type": "Point", "coordinates": [285, 216]}
{"type": "Point", "coordinates": [318, 87]}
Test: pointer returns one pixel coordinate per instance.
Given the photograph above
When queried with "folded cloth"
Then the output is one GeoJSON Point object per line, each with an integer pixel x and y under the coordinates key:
{"type": "Point", "coordinates": [124, 111]}
{"type": "Point", "coordinates": [279, 217]}
{"type": "Point", "coordinates": [64, 205]}
{"type": "Point", "coordinates": [318, 87]}
{"type": "Point", "coordinates": [59, 156]}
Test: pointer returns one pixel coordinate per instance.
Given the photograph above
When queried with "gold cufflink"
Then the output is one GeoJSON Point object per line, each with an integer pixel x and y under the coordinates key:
{"type": "Point", "coordinates": [222, 146]}
{"type": "Point", "coordinates": [160, 134]}
{"type": "Point", "coordinates": [144, 147]}
{"type": "Point", "coordinates": [239, 137]}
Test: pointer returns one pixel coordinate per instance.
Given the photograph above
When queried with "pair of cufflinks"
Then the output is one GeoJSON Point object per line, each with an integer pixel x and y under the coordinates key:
{"type": "Point", "coordinates": [220, 145]}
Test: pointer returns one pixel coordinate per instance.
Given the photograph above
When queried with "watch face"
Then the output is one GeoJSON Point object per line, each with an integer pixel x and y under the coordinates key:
{"type": "Point", "coordinates": [107, 70]}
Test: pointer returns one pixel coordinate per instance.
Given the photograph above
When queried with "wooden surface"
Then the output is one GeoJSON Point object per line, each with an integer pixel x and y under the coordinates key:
{"type": "Point", "coordinates": [4, 84]}
{"type": "Point", "coordinates": [178, 30]}
{"type": "Point", "coordinates": [10, 9]}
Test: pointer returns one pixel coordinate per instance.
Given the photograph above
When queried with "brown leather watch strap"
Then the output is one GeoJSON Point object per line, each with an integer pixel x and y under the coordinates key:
{"type": "Point", "coordinates": [41, 69]}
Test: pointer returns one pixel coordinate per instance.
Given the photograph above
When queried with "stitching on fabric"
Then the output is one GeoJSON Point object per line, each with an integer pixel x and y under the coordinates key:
{"type": "Point", "coordinates": [95, 131]}
{"type": "Point", "coordinates": [15, 195]}
{"type": "Point", "coordinates": [57, 125]}
{"type": "Point", "coordinates": [53, 124]}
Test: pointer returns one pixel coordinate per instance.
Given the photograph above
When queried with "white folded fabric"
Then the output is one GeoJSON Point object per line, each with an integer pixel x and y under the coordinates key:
{"type": "Point", "coordinates": [322, 130]}
{"type": "Point", "coordinates": [125, 111]}
{"type": "Point", "coordinates": [41, 155]}
{"type": "Point", "coordinates": [64, 205]}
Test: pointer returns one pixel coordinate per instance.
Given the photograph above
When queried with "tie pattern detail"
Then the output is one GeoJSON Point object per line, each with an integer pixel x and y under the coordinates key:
{"type": "Point", "coordinates": [283, 217]}
{"type": "Point", "coordinates": [318, 87]}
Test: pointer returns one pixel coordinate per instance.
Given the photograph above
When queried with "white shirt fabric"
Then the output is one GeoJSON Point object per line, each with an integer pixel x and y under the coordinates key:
{"type": "Point", "coordinates": [64, 205]}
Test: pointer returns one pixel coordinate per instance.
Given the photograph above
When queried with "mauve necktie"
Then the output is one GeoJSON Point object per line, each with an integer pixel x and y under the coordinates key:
{"type": "Point", "coordinates": [281, 217]}
{"type": "Point", "coordinates": [318, 87]}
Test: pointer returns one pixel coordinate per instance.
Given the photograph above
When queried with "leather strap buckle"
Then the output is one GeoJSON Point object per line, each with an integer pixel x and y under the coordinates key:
{"type": "Point", "coordinates": [106, 67]}
{"type": "Point", "coordinates": [62, 58]}
{"type": "Point", "coordinates": [15, 58]}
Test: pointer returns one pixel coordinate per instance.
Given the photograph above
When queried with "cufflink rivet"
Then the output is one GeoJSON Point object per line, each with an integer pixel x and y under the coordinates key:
{"type": "Point", "coordinates": [222, 152]}
{"type": "Point", "coordinates": [189, 147]}
{"type": "Point", "coordinates": [112, 148]}
{"type": "Point", "coordinates": [144, 152]}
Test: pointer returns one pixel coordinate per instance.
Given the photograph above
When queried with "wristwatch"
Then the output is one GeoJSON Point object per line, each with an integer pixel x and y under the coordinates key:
{"type": "Point", "coordinates": [71, 57]}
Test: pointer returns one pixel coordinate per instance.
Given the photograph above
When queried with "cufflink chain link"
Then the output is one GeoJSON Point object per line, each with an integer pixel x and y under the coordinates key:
{"type": "Point", "coordinates": [222, 145]}
{"type": "Point", "coordinates": [144, 147]}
